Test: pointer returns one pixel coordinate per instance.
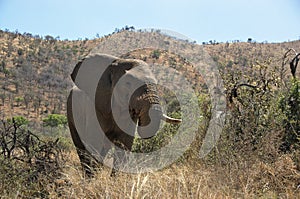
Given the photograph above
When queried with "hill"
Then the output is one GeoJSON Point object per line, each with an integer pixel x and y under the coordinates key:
{"type": "Point", "coordinates": [34, 71]}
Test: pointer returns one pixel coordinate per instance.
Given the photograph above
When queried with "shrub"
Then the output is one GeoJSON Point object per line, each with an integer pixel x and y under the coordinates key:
{"type": "Point", "coordinates": [27, 162]}
{"type": "Point", "coordinates": [156, 54]}
{"type": "Point", "coordinates": [290, 106]}
{"type": "Point", "coordinates": [55, 120]}
{"type": "Point", "coordinates": [19, 100]}
{"type": "Point", "coordinates": [18, 121]}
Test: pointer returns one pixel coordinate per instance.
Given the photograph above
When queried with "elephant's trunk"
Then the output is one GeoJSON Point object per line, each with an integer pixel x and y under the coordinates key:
{"type": "Point", "coordinates": [149, 122]}
{"type": "Point", "coordinates": [150, 114]}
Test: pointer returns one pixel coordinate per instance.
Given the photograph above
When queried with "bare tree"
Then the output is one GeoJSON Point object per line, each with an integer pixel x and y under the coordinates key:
{"type": "Point", "coordinates": [293, 63]}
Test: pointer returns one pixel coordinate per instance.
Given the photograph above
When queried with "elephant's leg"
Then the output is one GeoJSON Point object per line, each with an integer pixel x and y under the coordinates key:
{"type": "Point", "coordinates": [86, 160]}
{"type": "Point", "coordinates": [88, 163]}
{"type": "Point", "coordinates": [124, 143]}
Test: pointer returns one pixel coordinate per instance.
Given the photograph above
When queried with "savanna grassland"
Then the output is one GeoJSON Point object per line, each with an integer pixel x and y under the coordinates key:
{"type": "Point", "coordinates": [257, 155]}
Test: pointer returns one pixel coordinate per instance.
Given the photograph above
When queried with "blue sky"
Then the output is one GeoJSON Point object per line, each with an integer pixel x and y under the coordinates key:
{"type": "Point", "coordinates": [200, 20]}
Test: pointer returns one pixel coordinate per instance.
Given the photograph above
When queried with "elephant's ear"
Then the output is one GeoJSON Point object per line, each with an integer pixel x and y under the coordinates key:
{"type": "Point", "coordinates": [88, 72]}
{"type": "Point", "coordinates": [75, 70]}
{"type": "Point", "coordinates": [120, 67]}
{"type": "Point", "coordinates": [115, 97]}
{"type": "Point", "coordinates": [106, 87]}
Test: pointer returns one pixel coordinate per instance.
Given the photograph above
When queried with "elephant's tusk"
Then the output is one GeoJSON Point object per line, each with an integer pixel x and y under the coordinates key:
{"type": "Point", "coordinates": [170, 119]}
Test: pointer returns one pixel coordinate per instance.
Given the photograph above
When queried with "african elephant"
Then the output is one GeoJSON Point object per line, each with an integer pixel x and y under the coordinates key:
{"type": "Point", "coordinates": [125, 99]}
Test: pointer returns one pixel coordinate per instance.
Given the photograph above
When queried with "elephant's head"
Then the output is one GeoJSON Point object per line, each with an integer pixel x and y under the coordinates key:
{"type": "Point", "coordinates": [129, 88]}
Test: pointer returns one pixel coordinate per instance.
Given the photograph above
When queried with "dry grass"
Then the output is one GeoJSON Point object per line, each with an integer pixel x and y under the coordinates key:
{"type": "Point", "coordinates": [238, 179]}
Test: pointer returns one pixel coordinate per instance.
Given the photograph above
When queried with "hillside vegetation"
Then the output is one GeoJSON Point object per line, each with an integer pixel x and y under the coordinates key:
{"type": "Point", "coordinates": [258, 154]}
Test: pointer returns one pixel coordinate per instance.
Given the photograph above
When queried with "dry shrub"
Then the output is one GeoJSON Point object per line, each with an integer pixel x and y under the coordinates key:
{"type": "Point", "coordinates": [177, 181]}
{"type": "Point", "coordinates": [238, 178]}
{"type": "Point", "coordinates": [29, 165]}
{"type": "Point", "coordinates": [281, 177]}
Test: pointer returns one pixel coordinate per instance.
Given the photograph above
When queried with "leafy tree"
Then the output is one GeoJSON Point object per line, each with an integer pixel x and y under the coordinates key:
{"type": "Point", "coordinates": [18, 121]}
{"type": "Point", "coordinates": [19, 100]}
{"type": "Point", "coordinates": [55, 120]}
{"type": "Point", "coordinates": [49, 38]}
{"type": "Point", "coordinates": [156, 54]}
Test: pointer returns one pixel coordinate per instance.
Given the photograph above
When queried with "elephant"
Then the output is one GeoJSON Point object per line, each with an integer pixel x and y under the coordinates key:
{"type": "Point", "coordinates": [125, 100]}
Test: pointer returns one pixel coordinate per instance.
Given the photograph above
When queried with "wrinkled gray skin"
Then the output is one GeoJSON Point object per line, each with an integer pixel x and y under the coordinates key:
{"type": "Point", "coordinates": [144, 108]}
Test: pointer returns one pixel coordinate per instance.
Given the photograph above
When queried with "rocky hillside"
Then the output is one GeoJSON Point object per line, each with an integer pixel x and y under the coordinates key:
{"type": "Point", "coordinates": [34, 71]}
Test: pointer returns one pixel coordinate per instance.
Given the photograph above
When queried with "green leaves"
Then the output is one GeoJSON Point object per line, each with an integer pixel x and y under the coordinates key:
{"type": "Point", "coordinates": [18, 121]}
{"type": "Point", "coordinates": [290, 106]}
{"type": "Point", "coordinates": [156, 54]}
{"type": "Point", "coordinates": [55, 120]}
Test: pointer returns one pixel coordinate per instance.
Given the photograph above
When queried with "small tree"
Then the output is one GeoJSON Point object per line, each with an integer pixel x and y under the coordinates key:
{"type": "Point", "coordinates": [19, 100]}
{"type": "Point", "coordinates": [18, 121]}
{"type": "Point", "coordinates": [156, 54]}
{"type": "Point", "coordinates": [55, 120]}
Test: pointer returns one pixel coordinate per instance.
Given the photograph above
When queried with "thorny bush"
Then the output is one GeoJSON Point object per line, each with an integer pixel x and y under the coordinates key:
{"type": "Point", "coordinates": [26, 159]}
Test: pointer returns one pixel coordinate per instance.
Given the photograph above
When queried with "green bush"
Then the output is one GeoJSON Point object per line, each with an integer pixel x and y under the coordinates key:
{"type": "Point", "coordinates": [19, 100]}
{"type": "Point", "coordinates": [18, 121]}
{"type": "Point", "coordinates": [156, 54]}
{"type": "Point", "coordinates": [290, 106]}
{"type": "Point", "coordinates": [164, 136]}
{"type": "Point", "coordinates": [55, 120]}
